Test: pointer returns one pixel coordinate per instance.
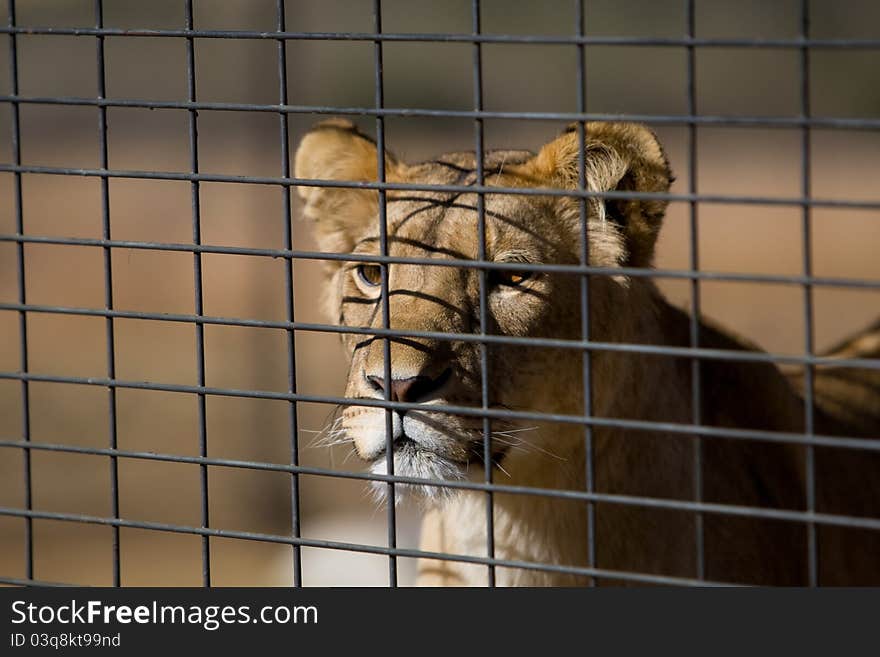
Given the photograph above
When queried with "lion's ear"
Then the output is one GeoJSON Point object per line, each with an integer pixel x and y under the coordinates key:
{"type": "Point", "coordinates": [617, 157]}
{"type": "Point", "coordinates": [335, 150]}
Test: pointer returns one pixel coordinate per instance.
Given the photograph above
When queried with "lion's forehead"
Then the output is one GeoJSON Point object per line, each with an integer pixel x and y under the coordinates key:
{"type": "Point", "coordinates": [448, 225]}
{"type": "Point", "coordinates": [445, 223]}
{"type": "Point", "coordinates": [450, 232]}
{"type": "Point", "coordinates": [451, 165]}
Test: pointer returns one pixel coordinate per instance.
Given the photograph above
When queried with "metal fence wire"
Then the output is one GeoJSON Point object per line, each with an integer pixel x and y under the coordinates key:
{"type": "Point", "coordinates": [695, 354]}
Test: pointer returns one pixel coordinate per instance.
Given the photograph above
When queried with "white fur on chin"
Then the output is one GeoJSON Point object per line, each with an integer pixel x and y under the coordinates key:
{"type": "Point", "coordinates": [411, 461]}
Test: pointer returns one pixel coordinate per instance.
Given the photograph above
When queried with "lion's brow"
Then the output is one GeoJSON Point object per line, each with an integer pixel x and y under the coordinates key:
{"type": "Point", "coordinates": [452, 203]}
{"type": "Point", "coordinates": [453, 166]}
{"type": "Point", "coordinates": [457, 255]}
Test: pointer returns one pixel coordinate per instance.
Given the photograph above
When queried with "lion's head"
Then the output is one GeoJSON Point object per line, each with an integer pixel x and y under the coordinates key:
{"type": "Point", "coordinates": [521, 230]}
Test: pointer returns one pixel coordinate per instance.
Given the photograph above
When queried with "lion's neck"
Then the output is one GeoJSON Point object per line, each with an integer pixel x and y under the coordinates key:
{"type": "Point", "coordinates": [629, 537]}
{"type": "Point", "coordinates": [547, 529]}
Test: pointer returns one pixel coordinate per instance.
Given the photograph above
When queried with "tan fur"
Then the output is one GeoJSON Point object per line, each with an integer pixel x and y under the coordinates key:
{"type": "Point", "coordinates": [546, 229]}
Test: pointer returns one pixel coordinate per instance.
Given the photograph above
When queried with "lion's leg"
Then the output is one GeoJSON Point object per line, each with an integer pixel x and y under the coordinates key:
{"type": "Point", "coordinates": [445, 531]}
{"type": "Point", "coordinates": [435, 572]}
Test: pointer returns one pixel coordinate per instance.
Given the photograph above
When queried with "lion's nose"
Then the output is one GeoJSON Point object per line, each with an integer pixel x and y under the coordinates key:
{"type": "Point", "coordinates": [413, 389]}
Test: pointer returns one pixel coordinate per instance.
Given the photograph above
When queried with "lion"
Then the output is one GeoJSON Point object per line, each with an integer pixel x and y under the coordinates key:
{"type": "Point", "coordinates": [628, 464]}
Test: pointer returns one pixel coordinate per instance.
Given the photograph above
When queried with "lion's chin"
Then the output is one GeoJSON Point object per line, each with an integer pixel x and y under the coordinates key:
{"type": "Point", "coordinates": [419, 463]}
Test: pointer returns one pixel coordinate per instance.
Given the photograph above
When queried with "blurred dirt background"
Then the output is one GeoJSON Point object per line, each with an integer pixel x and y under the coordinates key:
{"type": "Point", "coordinates": [739, 238]}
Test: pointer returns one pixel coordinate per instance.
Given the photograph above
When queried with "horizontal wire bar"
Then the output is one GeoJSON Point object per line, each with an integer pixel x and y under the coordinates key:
{"type": "Point", "coordinates": [842, 442]}
{"type": "Point", "coordinates": [549, 343]}
{"type": "Point", "coordinates": [18, 581]}
{"type": "Point", "coordinates": [665, 119]}
{"type": "Point", "coordinates": [452, 189]}
{"type": "Point", "coordinates": [635, 272]}
{"type": "Point", "coordinates": [577, 495]}
{"type": "Point", "coordinates": [587, 40]}
{"type": "Point", "coordinates": [357, 547]}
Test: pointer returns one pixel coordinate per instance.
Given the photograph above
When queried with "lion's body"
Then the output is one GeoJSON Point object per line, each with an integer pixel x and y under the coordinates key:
{"type": "Point", "coordinates": [630, 534]}
{"type": "Point", "coordinates": [737, 472]}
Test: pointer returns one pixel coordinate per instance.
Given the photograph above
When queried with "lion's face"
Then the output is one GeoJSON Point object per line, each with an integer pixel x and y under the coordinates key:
{"type": "Point", "coordinates": [438, 299]}
{"type": "Point", "coordinates": [432, 298]}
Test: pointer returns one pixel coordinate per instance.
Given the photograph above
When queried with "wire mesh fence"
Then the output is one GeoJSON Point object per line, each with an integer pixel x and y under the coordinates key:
{"type": "Point", "coordinates": [696, 353]}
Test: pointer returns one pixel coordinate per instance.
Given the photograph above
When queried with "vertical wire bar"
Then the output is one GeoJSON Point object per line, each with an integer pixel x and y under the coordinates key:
{"type": "Point", "coordinates": [586, 361]}
{"type": "Point", "coordinates": [197, 285]}
{"type": "Point", "coordinates": [22, 315]}
{"type": "Point", "coordinates": [386, 306]}
{"type": "Point", "coordinates": [288, 291]}
{"type": "Point", "coordinates": [809, 427]}
{"type": "Point", "coordinates": [484, 309]}
{"type": "Point", "coordinates": [696, 363]}
{"type": "Point", "coordinates": [108, 289]}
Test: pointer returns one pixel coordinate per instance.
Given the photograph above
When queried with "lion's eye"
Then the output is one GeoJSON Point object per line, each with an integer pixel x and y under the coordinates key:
{"type": "Point", "coordinates": [369, 275]}
{"type": "Point", "coordinates": [509, 277]}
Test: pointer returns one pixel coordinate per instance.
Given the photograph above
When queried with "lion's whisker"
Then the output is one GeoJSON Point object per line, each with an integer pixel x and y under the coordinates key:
{"type": "Point", "coordinates": [512, 445]}
{"type": "Point", "coordinates": [522, 442]}
{"type": "Point", "coordinates": [505, 431]}
{"type": "Point", "coordinates": [500, 467]}
{"type": "Point", "coordinates": [332, 434]}
{"type": "Point", "coordinates": [351, 452]}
